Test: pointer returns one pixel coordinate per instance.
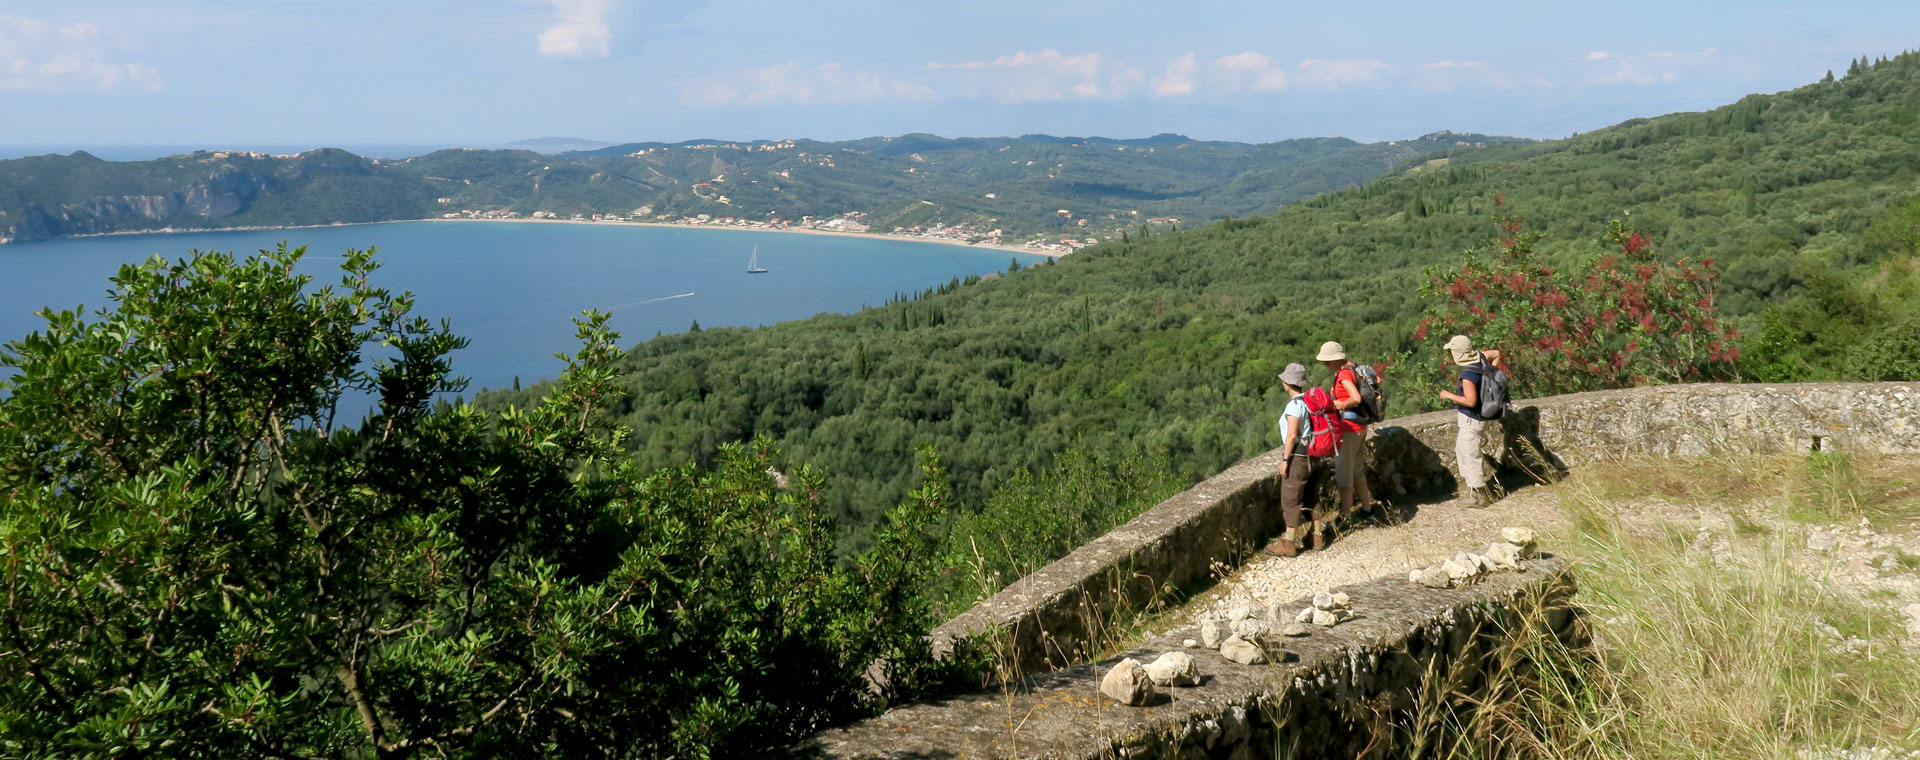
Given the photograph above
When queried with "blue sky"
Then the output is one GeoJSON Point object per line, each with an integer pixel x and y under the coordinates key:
{"type": "Point", "coordinates": [224, 73]}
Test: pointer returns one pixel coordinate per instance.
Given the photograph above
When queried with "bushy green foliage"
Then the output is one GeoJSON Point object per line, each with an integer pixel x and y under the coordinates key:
{"type": "Point", "coordinates": [1038, 516]}
{"type": "Point", "coordinates": [200, 562]}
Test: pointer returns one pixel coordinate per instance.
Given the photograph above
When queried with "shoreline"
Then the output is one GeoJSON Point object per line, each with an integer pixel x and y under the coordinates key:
{"type": "Point", "coordinates": [793, 230]}
{"type": "Point", "coordinates": [665, 225]}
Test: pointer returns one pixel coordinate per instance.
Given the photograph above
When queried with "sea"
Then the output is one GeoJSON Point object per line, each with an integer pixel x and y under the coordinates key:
{"type": "Point", "coordinates": [512, 288]}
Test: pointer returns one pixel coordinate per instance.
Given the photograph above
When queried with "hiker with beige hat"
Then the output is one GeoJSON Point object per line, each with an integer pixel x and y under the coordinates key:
{"type": "Point", "coordinates": [1478, 369]}
{"type": "Point", "coordinates": [1350, 464]}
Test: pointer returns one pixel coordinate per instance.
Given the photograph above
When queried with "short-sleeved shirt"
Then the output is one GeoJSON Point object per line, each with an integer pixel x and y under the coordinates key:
{"type": "Point", "coordinates": [1296, 407]}
{"type": "Point", "coordinates": [1340, 380]}
{"type": "Point", "coordinates": [1470, 374]}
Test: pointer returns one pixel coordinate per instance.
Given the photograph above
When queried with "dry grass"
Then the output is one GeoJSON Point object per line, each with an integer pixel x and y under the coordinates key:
{"type": "Point", "coordinates": [1693, 655]}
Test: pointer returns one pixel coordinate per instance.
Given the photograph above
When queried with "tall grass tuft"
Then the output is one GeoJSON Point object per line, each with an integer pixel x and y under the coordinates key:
{"type": "Point", "coordinates": [1694, 653]}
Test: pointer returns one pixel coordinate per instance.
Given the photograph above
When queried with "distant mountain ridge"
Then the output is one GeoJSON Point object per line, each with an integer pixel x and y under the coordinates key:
{"type": "Point", "coordinates": [1019, 185]}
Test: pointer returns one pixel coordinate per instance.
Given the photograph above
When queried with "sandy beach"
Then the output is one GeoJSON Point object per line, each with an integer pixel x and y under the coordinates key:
{"type": "Point", "coordinates": [790, 230]}
{"type": "Point", "coordinates": [829, 233]}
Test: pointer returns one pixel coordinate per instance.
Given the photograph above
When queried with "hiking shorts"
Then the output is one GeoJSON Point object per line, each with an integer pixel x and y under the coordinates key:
{"type": "Point", "coordinates": [1352, 458]}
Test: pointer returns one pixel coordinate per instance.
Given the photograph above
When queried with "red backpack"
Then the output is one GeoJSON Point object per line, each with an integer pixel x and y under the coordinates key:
{"type": "Point", "coordinates": [1320, 439]}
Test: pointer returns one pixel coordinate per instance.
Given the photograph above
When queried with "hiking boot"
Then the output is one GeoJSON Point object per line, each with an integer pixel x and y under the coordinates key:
{"type": "Point", "coordinates": [1287, 546]}
{"type": "Point", "coordinates": [1322, 534]}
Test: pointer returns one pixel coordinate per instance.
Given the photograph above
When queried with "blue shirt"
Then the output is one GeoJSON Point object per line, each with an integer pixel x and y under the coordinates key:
{"type": "Point", "coordinates": [1296, 407]}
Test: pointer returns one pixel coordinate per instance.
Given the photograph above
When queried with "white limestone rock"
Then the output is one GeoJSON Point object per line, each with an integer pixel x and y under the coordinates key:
{"type": "Point", "coordinates": [1174, 669]}
{"type": "Point", "coordinates": [1460, 569]}
{"type": "Point", "coordinates": [1242, 612]}
{"type": "Point", "coordinates": [1521, 538]}
{"type": "Point", "coordinates": [1212, 632]}
{"type": "Point", "coordinates": [1503, 555]}
{"type": "Point", "coordinates": [1304, 616]}
{"type": "Point", "coordinates": [1242, 651]}
{"type": "Point", "coordinates": [1127, 683]}
{"type": "Point", "coordinates": [1325, 618]}
{"type": "Point", "coordinates": [1322, 600]}
{"type": "Point", "coordinates": [1517, 536]}
{"type": "Point", "coordinates": [1293, 629]}
{"type": "Point", "coordinates": [1189, 643]}
{"type": "Point", "coordinates": [1341, 600]}
{"type": "Point", "coordinates": [1434, 577]}
{"type": "Point", "coordinates": [1247, 629]}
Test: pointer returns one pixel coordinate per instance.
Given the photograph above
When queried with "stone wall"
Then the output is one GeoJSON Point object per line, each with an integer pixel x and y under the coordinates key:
{"type": "Point", "coordinates": [1336, 694]}
{"type": "Point", "coordinates": [1044, 619]}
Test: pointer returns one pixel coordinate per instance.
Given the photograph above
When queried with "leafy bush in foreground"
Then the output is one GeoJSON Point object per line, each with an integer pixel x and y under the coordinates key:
{"type": "Point", "coordinates": [198, 562]}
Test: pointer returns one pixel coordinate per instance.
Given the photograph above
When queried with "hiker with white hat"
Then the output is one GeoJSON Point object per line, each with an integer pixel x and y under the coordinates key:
{"type": "Point", "coordinates": [1350, 465]}
{"type": "Point", "coordinates": [1477, 370]}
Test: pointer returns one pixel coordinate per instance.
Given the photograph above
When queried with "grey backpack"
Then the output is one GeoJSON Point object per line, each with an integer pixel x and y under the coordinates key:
{"type": "Point", "coordinates": [1493, 392]}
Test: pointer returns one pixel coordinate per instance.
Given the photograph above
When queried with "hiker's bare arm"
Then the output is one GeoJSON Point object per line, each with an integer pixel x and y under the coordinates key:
{"type": "Point", "coordinates": [1497, 359]}
{"type": "Point", "coordinates": [1469, 394]}
{"type": "Point", "coordinates": [1353, 396]}
{"type": "Point", "coordinates": [1286, 443]}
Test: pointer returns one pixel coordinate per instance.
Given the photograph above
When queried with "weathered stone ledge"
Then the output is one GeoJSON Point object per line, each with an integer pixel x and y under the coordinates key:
{"type": "Point", "coordinates": [1403, 634]}
{"type": "Point", "coordinates": [1044, 620]}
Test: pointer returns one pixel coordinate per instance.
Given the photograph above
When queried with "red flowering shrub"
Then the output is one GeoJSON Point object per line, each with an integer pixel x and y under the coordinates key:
{"type": "Point", "coordinates": [1625, 318]}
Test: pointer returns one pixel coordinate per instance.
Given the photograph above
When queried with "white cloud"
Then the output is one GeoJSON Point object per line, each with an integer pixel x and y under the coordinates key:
{"type": "Point", "coordinates": [1656, 68]}
{"type": "Point", "coordinates": [579, 30]}
{"type": "Point", "coordinates": [1179, 77]}
{"type": "Point", "coordinates": [1599, 55]}
{"type": "Point", "coordinates": [1446, 76]}
{"type": "Point", "coordinates": [1333, 75]}
{"type": "Point", "coordinates": [37, 56]}
{"type": "Point", "coordinates": [1025, 77]}
{"type": "Point", "coordinates": [792, 84]}
{"type": "Point", "coordinates": [1250, 70]}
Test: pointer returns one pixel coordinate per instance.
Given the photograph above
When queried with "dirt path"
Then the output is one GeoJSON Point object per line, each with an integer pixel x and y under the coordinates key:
{"type": "Point", "coordinates": [1434, 533]}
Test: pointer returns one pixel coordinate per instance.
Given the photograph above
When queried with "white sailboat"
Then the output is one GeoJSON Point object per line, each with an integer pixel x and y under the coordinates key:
{"type": "Point", "coordinates": [753, 264]}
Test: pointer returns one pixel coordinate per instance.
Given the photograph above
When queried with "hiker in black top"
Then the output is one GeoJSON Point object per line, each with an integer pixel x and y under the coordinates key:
{"type": "Point", "coordinates": [1474, 366]}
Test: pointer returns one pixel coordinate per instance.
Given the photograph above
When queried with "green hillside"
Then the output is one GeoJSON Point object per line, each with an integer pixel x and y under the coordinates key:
{"type": "Point", "coordinates": [1168, 345]}
{"type": "Point", "coordinates": [1018, 185]}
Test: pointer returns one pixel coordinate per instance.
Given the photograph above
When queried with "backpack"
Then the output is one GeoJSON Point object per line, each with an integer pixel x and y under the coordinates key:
{"type": "Point", "coordinates": [1493, 392]}
{"type": "Point", "coordinates": [1317, 435]}
{"type": "Point", "coordinates": [1373, 398]}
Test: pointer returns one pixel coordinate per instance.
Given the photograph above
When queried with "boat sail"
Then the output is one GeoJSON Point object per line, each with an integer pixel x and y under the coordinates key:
{"type": "Point", "coordinates": [753, 264]}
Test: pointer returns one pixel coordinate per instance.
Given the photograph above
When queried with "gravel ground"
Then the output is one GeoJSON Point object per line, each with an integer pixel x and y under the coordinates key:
{"type": "Point", "coordinates": [1436, 532]}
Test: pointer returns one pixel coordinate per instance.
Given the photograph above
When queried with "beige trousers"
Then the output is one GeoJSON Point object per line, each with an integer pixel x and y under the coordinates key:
{"type": "Point", "coordinates": [1466, 451]}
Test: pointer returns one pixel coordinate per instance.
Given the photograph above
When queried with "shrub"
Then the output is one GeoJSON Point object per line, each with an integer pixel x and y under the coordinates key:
{"type": "Point", "coordinates": [198, 561]}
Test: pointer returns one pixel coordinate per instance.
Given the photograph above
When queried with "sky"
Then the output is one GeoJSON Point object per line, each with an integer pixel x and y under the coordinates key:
{"type": "Point", "coordinates": [95, 74]}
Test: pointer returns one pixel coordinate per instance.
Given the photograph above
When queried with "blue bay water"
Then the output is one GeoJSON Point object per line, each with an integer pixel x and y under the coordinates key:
{"type": "Point", "coordinates": [512, 288]}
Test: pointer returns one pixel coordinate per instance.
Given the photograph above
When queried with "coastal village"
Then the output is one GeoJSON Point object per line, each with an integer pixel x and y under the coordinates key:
{"type": "Point", "coordinates": [852, 222]}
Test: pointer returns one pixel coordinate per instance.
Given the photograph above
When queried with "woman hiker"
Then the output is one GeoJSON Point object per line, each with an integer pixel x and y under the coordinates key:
{"type": "Point", "coordinates": [1350, 466]}
{"type": "Point", "coordinates": [1295, 470]}
{"type": "Point", "coordinates": [1474, 365]}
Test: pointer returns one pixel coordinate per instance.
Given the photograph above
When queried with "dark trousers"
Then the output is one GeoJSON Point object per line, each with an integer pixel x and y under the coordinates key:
{"type": "Point", "coordinates": [1294, 493]}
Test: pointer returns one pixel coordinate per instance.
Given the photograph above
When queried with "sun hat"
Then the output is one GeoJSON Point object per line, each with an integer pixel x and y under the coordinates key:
{"type": "Point", "coordinates": [1462, 349]}
{"type": "Point", "coordinates": [1331, 351]}
{"type": "Point", "coordinates": [1294, 375]}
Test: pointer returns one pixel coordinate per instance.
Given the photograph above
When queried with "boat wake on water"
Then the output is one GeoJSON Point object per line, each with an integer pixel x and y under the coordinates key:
{"type": "Point", "coordinates": [649, 300]}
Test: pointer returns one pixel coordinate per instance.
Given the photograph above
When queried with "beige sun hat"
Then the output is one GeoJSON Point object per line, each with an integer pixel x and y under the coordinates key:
{"type": "Point", "coordinates": [1331, 351]}
{"type": "Point", "coordinates": [1462, 350]}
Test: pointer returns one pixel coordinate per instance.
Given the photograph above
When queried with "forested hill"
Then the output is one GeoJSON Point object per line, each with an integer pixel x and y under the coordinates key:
{"type": "Point", "coordinates": [1018, 185]}
{"type": "Point", "coordinates": [1170, 344]}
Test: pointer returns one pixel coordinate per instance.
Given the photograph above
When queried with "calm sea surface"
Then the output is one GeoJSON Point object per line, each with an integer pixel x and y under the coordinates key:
{"type": "Point", "coordinates": [512, 288]}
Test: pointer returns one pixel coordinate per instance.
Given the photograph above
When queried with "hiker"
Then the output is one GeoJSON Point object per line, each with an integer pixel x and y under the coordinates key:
{"type": "Point", "coordinates": [1350, 465]}
{"type": "Point", "coordinates": [1476, 400]}
{"type": "Point", "coordinates": [1297, 436]}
